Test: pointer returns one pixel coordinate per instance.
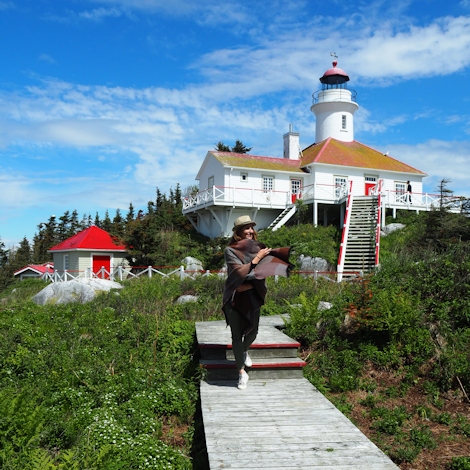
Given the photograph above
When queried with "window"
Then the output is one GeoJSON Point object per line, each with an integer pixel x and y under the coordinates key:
{"type": "Point", "coordinates": [66, 262]}
{"type": "Point", "coordinates": [268, 183]}
{"type": "Point", "coordinates": [210, 182]}
{"type": "Point", "coordinates": [340, 186]}
{"type": "Point", "coordinates": [343, 122]}
{"type": "Point", "coordinates": [400, 190]}
{"type": "Point", "coordinates": [295, 186]}
{"type": "Point", "coordinates": [244, 177]}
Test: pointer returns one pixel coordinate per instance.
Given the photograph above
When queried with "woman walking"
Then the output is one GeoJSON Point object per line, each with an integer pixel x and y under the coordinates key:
{"type": "Point", "coordinates": [249, 262]}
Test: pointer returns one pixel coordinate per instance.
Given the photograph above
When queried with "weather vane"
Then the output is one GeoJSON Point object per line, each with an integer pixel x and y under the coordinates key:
{"type": "Point", "coordinates": [333, 54]}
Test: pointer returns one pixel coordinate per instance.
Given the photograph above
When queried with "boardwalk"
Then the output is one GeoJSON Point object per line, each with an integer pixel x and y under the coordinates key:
{"type": "Point", "coordinates": [277, 423]}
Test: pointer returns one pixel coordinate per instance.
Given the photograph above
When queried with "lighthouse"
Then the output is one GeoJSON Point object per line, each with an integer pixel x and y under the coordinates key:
{"type": "Point", "coordinates": [334, 107]}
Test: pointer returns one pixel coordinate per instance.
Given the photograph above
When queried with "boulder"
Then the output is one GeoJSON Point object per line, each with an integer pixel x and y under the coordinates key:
{"type": "Point", "coordinates": [392, 228]}
{"type": "Point", "coordinates": [77, 290]}
{"type": "Point", "coordinates": [192, 264]}
{"type": "Point", "coordinates": [309, 264]}
{"type": "Point", "coordinates": [183, 299]}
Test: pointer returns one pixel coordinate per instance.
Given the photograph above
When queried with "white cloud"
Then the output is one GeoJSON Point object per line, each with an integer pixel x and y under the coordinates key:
{"type": "Point", "coordinates": [98, 14]}
{"type": "Point", "coordinates": [46, 58]}
{"type": "Point", "coordinates": [439, 159]}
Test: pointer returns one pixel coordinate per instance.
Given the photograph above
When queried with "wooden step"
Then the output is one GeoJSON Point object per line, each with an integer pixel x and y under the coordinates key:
{"type": "Point", "coordinates": [274, 354]}
{"type": "Point", "coordinates": [266, 368]}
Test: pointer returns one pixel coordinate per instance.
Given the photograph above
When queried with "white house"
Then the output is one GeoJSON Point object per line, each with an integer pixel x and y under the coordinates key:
{"type": "Point", "coordinates": [266, 188]}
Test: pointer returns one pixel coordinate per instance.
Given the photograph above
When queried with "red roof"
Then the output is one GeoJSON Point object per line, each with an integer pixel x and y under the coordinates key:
{"type": "Point", "coordinates": [353, 154]}
{"type": "Point", "coordinates": [38, 268]}
{"type": "Point", "coordinates": [92, 238]}
{"type": "Point", "coordinates": [246, 160]}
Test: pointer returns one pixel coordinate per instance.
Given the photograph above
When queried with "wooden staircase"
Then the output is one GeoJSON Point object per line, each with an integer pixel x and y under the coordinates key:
{"type": "Point", "coordinates": [360, 247]}
{"type": "Point", "coordinates": [283, 217]}
{"type": "Point", "coordinates": [274, 354]}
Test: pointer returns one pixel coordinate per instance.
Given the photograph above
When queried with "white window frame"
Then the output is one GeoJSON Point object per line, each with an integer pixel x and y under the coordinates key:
{"type": "Point", "coordinates": [344, 122]}
{"type": "Point", "coordinates": [400, 191]}
{"type": "Point", "coordinates": [244, 177]}
{"type": "Point", "coordinates": [339, 182]}
{"type": "Point", "coordinates": [268, 183]}
{"type": "Point", "coordinates": [296, 186]}
{"type": "Point", "coordinates": [210, 182]}
{"type": "Point", "coordinates": [66, 262]}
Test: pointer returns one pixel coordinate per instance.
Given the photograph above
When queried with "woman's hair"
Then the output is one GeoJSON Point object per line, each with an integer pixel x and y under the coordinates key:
{"type": "Point", "coordinates": [236, 237]}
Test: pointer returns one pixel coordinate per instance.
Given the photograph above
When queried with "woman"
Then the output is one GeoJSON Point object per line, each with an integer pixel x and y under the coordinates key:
{"type": "Point", "coordinates": [245, 288]}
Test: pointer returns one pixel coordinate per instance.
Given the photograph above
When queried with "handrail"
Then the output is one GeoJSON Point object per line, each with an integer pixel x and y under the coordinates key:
{"type": "Point", "coordinates": [178, 272]}
{"type": "Point", "coordinates": [259, 197]}
{"type": "Point", "coordinates": [379, 221]}
{"type": "Point", "coordinates": [344, 236]}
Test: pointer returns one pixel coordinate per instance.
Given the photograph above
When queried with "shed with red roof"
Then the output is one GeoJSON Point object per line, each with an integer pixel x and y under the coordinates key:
{"type": "Point", "coordinates": [91, 250]}
{"type": "Point", "coordinates": [34, 270]}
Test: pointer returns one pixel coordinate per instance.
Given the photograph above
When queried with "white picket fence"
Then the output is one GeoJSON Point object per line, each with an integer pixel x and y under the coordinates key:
{"type": "Point", "coordinates": [122, 273]}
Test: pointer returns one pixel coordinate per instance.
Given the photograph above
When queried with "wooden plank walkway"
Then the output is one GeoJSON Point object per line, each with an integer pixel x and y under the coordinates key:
{"type": "Point", "coordinates": [281, 424]}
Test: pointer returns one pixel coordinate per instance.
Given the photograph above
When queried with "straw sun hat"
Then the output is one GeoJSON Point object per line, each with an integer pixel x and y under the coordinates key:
{"type": "Point", "coordinates": [242, 221]}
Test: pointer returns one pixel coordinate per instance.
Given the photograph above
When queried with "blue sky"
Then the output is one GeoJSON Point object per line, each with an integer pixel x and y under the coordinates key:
{"type": "Point", "coordinates": [103, 101]}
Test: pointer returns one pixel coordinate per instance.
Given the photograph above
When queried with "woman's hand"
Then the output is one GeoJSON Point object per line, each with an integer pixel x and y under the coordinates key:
{"type": "Point", "coordinates": [261, 254]}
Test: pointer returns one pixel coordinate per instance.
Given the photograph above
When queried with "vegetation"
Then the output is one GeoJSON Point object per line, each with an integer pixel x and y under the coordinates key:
{"type": "Point", "coordinates": [113, 384]}
{"type": "Point", "coordinates": [239, 147]}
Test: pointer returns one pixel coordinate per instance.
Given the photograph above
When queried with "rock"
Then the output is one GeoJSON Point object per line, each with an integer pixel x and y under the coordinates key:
{"type": "Point", "coordinates": [187, 298]}
{"type": "Point", "coordinates": [324, 306]}
{"type": "Point", "coordinates": [309, 264]}
{"type": "Point", "coordinates": [192, 264]}
{"type": "Point", "coordinates": [77, 290]}
{"type": "Point", "coordinates": [393, 227]}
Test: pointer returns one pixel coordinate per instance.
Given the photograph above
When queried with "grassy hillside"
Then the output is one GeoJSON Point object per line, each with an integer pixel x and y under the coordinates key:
{"type": "Point", "coordinates": [113, 384]}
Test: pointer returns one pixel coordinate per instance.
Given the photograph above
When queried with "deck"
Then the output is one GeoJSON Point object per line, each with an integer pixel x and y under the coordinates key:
{"type": "Point", "coordinates": [276, 423]}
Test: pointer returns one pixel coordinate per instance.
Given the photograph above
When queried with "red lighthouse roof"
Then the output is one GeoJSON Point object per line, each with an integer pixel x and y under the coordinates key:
{"type": "Point", "coordinates": [92, 238]}
{"type": "Point", "coordinates": [335, 75]}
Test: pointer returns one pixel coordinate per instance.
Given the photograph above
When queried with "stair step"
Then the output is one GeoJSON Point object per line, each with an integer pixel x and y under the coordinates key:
{"type": "Point", "coordinates": [273, 368]}
{"type": "Point", "coordinates": [274, 354]}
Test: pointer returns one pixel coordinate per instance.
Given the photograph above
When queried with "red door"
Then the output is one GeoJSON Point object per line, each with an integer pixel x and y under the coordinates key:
{"type": "Point", "coordinates": [369, 186]}
{"type": "Point", "coordinates": [102, 261]}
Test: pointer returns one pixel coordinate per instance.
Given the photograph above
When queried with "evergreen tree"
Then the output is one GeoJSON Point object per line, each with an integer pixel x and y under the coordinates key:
{"type": "Point", "coordinates": [23, 255]}
{"type": "Point", "coordinates": [239, 147]}
{"type": "Point", "coordinates": [130, 213]}
{"type": "Point", "coordinates": [63, 228]}
{"type": "Point", "coordinates": [45, 239]}
{"type": "Point", "coordinates": [3, 255]}
{"type": "Point", "coordinates": [75, 226]}
{"type": "Point", "coordinates": [106, 224]}
{"type": "Point", "coordinates": [97, 220]}
{"type": "Point", "coordinates": [221, 147]}
{"type": "Point", "coordinates": [119, 225]}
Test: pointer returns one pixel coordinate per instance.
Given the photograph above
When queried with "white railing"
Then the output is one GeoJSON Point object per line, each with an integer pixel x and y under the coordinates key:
{"type": "Point", "coordinates": [220, 195]}
{"type": "Point", "coordinates": [344, 236]}
{"type": "Point", "coordinates": [421, 201]}
{"type": "Point", "coordinates": [121, 273]}
{"type": "Point", "coordinates": [178, 273]}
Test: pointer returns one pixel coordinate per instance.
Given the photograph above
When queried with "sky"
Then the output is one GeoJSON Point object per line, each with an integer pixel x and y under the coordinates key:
{"type": "Point", "coordinates": [103, 101]}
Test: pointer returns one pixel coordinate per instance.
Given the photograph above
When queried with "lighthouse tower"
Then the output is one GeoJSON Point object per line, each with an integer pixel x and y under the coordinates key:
{"type": "Point", "coordinates": [334, 107]}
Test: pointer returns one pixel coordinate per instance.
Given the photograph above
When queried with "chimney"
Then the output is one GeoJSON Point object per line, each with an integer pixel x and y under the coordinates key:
{"type": "Point", "coordinates": [291, 144]}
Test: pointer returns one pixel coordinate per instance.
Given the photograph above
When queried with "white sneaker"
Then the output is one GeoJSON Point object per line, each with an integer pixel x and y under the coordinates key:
{"type": "Point", "coordinates": [242, 381]}
{"type": "Point", "coordinates": [248, 361]}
